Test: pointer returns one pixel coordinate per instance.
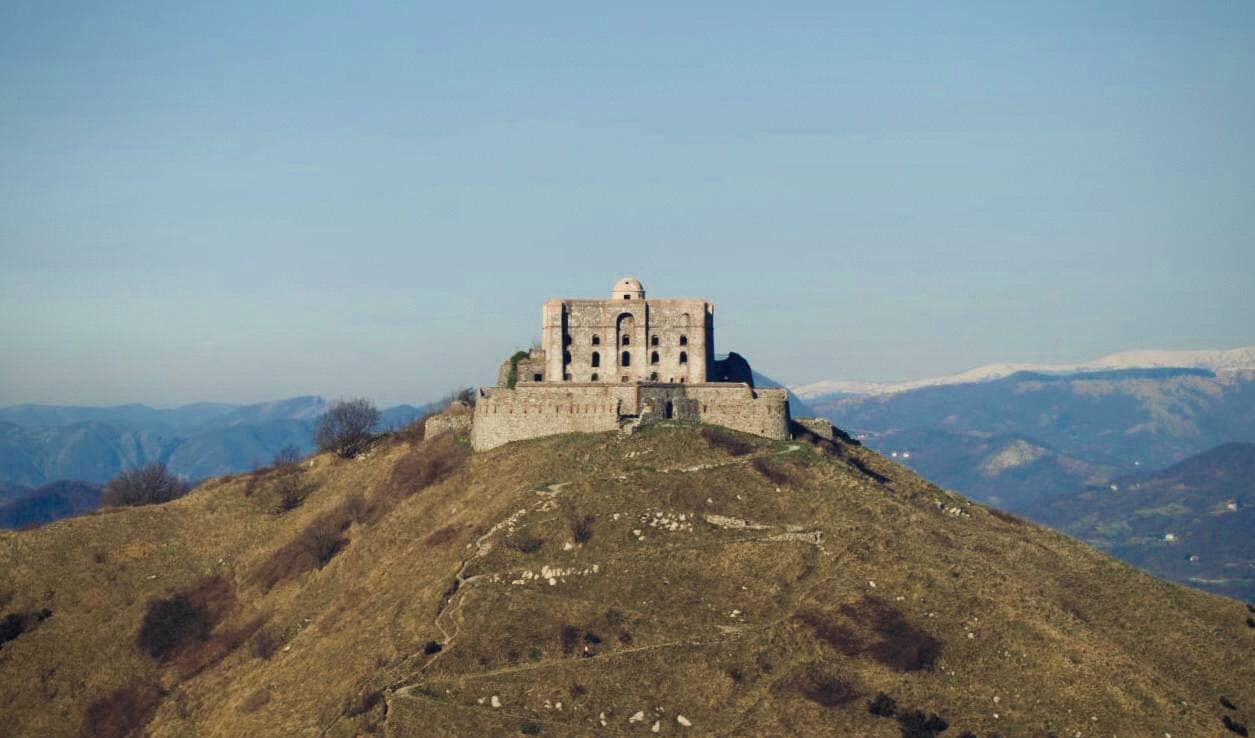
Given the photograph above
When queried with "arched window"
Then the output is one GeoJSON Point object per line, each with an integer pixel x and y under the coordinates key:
{"type": "Point", "coordinates": [653, 358]}
{"type": "Point", "coordinates": [624, 327]}
{"type": "Point", "coordinates": [653, 376]}
{"type": "Point", "coordinates": [595, 377]}
{"type": "Point", "coordinates": [596, 359]}
{"type": "Point", "coordinates": [596, 340]}
{"type": "Point", "coordinates": [626, 359]}
{"type": "Point", "coordinates": [653, 340]}
{"type": "Point", "coordinates": [684, 340]}
{"type": "Point", "coordinates": [684, 357]}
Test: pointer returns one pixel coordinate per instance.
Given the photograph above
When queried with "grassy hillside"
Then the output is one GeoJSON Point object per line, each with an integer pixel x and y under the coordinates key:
{"type": "Point", "coordinates": [722, 585]}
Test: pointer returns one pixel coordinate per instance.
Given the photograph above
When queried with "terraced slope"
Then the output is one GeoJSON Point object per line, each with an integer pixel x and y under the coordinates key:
{"type": "Point", "coordinates": [680, 581]}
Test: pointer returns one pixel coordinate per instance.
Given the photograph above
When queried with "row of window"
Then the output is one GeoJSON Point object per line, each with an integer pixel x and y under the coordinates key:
{"type": "Point", "coordinates": [625, 359]}
{"type": "Point", "coordinates": [653, 377]}
{"type": "Point", "coordinates": [627, 340]}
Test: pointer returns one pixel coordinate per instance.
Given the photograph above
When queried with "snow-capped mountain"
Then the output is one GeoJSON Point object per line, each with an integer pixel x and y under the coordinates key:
{"type": "Point", "coordinates": [1227, 360]}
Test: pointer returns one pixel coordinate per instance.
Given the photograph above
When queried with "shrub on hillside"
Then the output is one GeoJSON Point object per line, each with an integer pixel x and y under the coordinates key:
{"type": "Point", "coordinates": [437, 459]}
{"type": "Point", "coordinates": [313, 548]}
{"type": "Point", "coordinates": [917, 724]}
{"type": "Point", "coordinates": [883, 706]}
{"type": "Point", "coordinates": [771, 472]}
{"type": "Point", "coordinates": [16, 623]}
{"type": "Point", "coordinates": [346, 426]}
{"type": "Point", "coordinates": [184, 619]}
{"type": "Point", "coordinates": [148, 485]}
{"type": "Point", "coordinates": [266, 642]}
{"type": "Point", "coordinates": [727, 442]}
{"type": "Point", "coordinates": [819, 684]}
{"type": "Point", "coordinates": [123, 712]}
{"type": "Point", "coordinates": [361, 702]}
{"type": "Point", "coordinates": [291, 491]}
{"type": "Point", "coordinates": [526, 544]}
{"type": "Point", "coordinates": [582, 529]}
{"type": "Point", "coordinates": [172, 624]}
{"type": "Point", "coordinates": [286, 457]}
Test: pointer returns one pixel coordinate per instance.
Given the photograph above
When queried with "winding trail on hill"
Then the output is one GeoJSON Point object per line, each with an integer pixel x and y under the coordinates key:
{"type": "Point", "coordinates": [450, 610]}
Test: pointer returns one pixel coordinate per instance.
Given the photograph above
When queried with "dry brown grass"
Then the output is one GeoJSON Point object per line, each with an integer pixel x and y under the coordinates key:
{"type": "Point", "coordinates": [255, 701]}
{"type": "Point", "coordinates": [434, 461]}
{"type": "Point", "coordinates": [311, 549]}
{"type": "Point", "coordinates": [809, 629]}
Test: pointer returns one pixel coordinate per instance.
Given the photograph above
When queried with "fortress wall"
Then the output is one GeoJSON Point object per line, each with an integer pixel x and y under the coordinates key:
{"type": "Point", "coordinates": [532, 411]}
{"type": "Point", "coordinates": [763, 412]}
{"type": "Point", "coordinates": [503, 415]}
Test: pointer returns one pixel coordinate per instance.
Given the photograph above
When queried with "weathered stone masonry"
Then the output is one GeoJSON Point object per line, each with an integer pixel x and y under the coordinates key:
{"type": "Point", "coordinates": [619, 363]}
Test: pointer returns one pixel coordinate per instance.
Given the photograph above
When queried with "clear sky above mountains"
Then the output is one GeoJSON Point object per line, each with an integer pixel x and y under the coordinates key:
{"type": "Point", "coordinates": [237, 203]}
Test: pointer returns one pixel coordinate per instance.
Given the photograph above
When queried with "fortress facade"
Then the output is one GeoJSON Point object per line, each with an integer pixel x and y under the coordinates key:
{"type": "Point", "coordinates": [621, 363]}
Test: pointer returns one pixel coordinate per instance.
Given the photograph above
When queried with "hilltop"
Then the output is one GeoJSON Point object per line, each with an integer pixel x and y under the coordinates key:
{"type": "Point", "coordinates": [1191, 522]}
{"type": "Point", "coordinates": [721, 583]}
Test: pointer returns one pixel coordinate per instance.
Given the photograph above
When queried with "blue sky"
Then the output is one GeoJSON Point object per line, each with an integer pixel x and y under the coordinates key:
{"type": "Point", "coordinates": [225, 202]}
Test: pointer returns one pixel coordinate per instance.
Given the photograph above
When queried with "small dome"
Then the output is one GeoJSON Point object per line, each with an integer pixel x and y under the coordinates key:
{"type": "Point", "coordinates": [628, 288]}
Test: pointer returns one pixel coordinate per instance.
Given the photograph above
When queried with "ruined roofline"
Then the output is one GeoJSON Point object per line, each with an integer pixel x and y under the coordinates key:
{"type": "Point", "coordinates": [523, 388]}
{"type": "Point", "coordinates": [647, 301]}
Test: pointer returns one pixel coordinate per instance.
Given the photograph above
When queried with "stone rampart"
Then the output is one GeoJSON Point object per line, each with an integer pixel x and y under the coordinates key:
{"type": "Point", "coordinates": [505, 415]}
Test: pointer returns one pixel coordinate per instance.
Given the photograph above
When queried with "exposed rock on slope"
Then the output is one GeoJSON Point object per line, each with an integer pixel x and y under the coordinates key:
{"type": "Point", "coordinates": [655, 583]}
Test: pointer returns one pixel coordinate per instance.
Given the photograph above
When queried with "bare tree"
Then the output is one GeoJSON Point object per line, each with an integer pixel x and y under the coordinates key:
{"type": "Point", "coordinates": [464, 395]}
{"type": "Point", "coordinates": [286, 457]}
{"type": "Point", "coordinates": [147, 485]}
{"type": "Point", "coordinates": [346, 426]}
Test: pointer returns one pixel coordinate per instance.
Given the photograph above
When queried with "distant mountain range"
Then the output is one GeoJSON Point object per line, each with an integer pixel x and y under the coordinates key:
{"type": "Point", "coordinates": [50, 502]}
{"type": "Point", "coordinates": [40, 444]}
{"type": "Point", "coordinates": [1193, 522]}
{"type": "Point", "coordinates": [1120, 451]}
{"type": "Point", "coordinates": [1012, 439]}
{"type": "Point", "coordinates": [1226, 360]}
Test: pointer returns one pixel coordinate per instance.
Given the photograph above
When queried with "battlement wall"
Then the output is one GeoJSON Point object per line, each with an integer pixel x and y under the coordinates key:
{"type": "Point", "coordinates": [505, 415]}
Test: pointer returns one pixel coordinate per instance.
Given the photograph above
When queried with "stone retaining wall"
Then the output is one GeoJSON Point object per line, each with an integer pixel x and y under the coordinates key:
{"type": "Point", "coordinates": [504, 415]}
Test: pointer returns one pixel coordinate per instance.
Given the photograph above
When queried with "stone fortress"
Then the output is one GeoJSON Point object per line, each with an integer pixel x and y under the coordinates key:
{"type": "Point", "coordinates": [618, 364]}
